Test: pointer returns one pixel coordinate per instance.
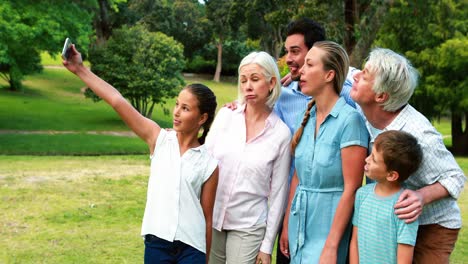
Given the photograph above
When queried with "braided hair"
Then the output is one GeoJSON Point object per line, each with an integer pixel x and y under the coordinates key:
{"type": "Point", "coordinates": [206, 104]}
{"type": "Point", "coordinates": [335, 59]}
{"type": "Point", "coordinates": [297, 136]}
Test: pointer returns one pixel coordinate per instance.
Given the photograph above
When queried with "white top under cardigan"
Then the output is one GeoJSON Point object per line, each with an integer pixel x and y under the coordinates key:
{"type": "Point", "coordinates": [173, 209]}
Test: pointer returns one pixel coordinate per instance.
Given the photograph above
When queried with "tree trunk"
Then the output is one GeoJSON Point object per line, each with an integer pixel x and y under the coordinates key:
{"type": "Point", "coordinates": [459, 135]}
{"type": "Point", "coordinates": [369, 26]}
{"type": "Point", "coordinates": [102, 23]}
{"type": "Point", "coordinates": [351, 19]}
{"type": "Point", "coordinates": [277, 42]}
{"type": "Point", "coordinates": [219, 63]}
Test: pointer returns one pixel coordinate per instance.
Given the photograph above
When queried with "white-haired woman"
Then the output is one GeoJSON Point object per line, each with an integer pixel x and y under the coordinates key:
{"type": "Point", "coordinates": [252, 146]}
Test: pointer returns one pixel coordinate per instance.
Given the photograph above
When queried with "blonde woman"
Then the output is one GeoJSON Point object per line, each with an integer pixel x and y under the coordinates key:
{"type": "Point", "coordinates": [330, 147]}
{"type": "Point", "coordinates": [251, 144]}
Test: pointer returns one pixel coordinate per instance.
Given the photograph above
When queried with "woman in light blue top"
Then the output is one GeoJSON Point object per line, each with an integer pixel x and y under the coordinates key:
{"type": "Point", "coordinates": [330, 147]}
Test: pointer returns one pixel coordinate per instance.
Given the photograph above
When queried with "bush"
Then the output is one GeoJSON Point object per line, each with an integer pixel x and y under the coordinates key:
{"type": "Point", "coordinates": [146, 67]}
{"type": "Point", "coordinates": [200, 65]}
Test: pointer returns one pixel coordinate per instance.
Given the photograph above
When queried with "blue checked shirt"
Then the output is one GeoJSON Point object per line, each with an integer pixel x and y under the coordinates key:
{"type": "Point", "coordinates": [438, 165]}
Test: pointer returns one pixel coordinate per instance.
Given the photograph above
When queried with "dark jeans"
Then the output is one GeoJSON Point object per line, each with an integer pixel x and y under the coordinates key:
{"type": "Point", "coordinates": [158, 251]}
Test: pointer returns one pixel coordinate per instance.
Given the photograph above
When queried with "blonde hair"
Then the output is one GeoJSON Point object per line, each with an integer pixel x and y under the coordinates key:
{"type": "Point", "coordinates": [297, 136]}
{"type": "Point", "coordinates": [335, 59]}
{"type": "Point", "coordinates": [269, 70]}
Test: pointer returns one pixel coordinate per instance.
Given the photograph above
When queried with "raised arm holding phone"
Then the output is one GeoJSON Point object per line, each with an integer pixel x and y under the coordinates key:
{"type": "Point", "coordinates": [181, 168]}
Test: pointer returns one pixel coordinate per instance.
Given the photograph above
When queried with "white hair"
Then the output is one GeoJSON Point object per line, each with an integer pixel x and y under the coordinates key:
{"type": "Point", "coordinates": [394, 75]}
{"type": "Point", "coordinates": [269, 69]}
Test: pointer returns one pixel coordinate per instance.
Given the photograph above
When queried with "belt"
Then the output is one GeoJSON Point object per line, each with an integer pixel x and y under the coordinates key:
{"type": "Point", "coordinates": [299, 207]}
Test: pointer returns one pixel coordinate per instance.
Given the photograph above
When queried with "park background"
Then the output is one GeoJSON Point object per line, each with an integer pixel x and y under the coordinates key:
{"type": "Point", "coordinates": [73, 178]}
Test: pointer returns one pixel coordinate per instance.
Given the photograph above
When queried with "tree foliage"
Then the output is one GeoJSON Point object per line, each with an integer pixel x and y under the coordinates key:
{"type": "Point", "coordinates": [264, 21]}
{"type": "Point", "coordinates": [104, 17]}
{"type": "Point", "coordinates": [184, 20]}
{"type": "Point", "coordinates": [433, 34]}
{"type": "Point", "coordinates": [144, 66]}
{"type": "Point", "coordinates": [354, 24]}
{"type": "Point", "coordinates": [29, 27]}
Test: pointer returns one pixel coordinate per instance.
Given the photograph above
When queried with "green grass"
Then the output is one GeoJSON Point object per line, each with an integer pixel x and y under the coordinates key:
{"type": "Point", "coordinates": [66, 209]}
{"type": "Point", "coordinates": [443, 125]}
{"type": "Point", "coordinates": [86, 209]}
{"type": "Point", "coordinates": [460, 255]}
{"type": "Point", "coordinates": [70, 144]}
{"type": "Point", "coordinates": [72, 209]}
{"type": "Point", "coordinates": [53, 101]}
{"type": "Point", "coordinates": [54, 60]}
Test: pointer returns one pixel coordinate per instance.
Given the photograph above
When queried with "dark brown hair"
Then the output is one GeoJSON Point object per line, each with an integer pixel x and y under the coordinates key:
{"type": "Point", "coordinates": [206, 104]}
{"type": "Point", "coordinates": [400, 151]}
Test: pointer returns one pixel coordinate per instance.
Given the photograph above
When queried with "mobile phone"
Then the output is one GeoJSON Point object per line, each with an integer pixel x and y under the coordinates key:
{"type": "Point", "coordinates": [66, 49]}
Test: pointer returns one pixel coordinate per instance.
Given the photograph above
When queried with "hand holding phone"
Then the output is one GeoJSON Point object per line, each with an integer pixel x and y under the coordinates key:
{"type": "Point", "coordinates": [66, 51]}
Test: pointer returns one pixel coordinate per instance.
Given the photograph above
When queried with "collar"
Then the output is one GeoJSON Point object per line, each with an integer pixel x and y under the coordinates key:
{"type": "Point", "coordinates": [294, 87]}
{"type": "Point", "coordinates": [269, 122]}
{"type": "Point", "coordinates": [338, 107]}
{"type": "Point", "coordinates": [399, 122]}
{"type": "Point", "coordinates": [172, 136]}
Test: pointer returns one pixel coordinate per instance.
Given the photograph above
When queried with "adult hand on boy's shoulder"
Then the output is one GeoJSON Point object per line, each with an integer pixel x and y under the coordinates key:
{"type": "Point", "coordinates": [409, 205]}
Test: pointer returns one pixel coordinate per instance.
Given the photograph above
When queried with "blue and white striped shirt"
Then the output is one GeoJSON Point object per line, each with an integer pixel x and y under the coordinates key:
{"type": "Point", "coordinates": [438, 165]}
{"type": "Point", "coordinates": [379, 229]}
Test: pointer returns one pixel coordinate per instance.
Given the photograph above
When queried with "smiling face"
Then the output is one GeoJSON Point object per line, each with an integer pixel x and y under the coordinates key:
{"type": "Point", "coordinates": [313, 75]}
{"type": "Point", "coordinates": [362, 92]}
{"type": "Point", "coordinates": [186, 114]}
{"type": "Point", "coordinates": [254, 85]}
{"type": "Point", "coordinates": [296, 51]}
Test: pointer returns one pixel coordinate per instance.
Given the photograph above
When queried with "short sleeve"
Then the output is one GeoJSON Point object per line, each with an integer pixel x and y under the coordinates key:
{"type": "Point", "coordinates": [354, 131]}
{"type": "Point", "coordinates": [211, 165]}
{"type": "Point", "coordinates": [406, 233]}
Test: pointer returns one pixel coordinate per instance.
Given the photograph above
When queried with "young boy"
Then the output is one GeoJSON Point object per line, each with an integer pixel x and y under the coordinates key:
{"type": "Point", "coordinates": [379, 236]}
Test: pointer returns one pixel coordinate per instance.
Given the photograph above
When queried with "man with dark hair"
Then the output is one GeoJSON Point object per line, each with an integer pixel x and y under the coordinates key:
{"type": "Point", "coordinates": [292, 103]}
{"type": "Point", "coordinates": [301, 36]}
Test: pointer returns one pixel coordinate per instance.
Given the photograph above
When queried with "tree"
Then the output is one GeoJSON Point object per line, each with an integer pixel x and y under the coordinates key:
{"type": "Point", "coordinates": [267, 21]}
{"type": "Point", "coordinates": [144, 66]}
{"type": "Point", "coordinates": [445, 79]}
{"type": "Point", "coordinates": [185, 20]}
{"type": "Point", "coordinates": [29, 27]}
{"type": "Point", "coordinates": [350, 22]}
{"type": "Point", "coordinates": [217, 12]}
{"type": "Point", "coordinates": [433, 34]}
{"type": "Point", "coordinates": [102, 21]}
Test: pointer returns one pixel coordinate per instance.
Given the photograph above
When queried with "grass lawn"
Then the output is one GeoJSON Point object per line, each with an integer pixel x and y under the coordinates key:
{"type": "Point", "coordinates": [65, 209]}
{"type": "Point", "coordinates": [71, 197]}
{"type": "Point", "coordinates": [53, 101]}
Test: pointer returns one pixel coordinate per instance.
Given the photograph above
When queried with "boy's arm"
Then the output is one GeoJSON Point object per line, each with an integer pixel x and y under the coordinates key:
{"type": "Point", "coordinates": [353, 247]}
{"type": "Point", "coordinates": [405, 254]}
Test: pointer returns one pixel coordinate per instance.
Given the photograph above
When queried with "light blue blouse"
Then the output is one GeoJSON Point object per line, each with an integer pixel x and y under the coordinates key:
{"type": "Point", "coordinates": [321, 183]}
